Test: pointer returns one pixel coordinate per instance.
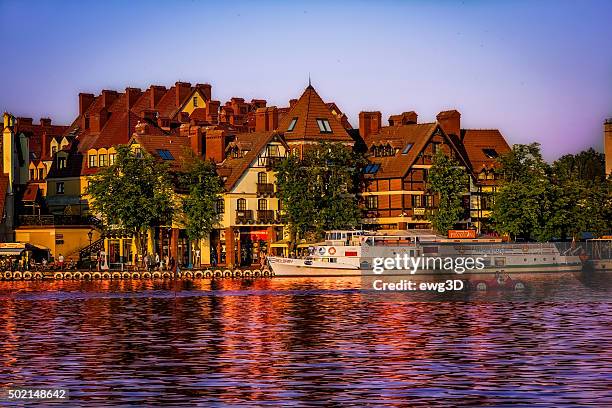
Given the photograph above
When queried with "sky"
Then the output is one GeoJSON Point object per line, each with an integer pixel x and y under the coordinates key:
{"type": "Point", "coordinates": [537, 70]}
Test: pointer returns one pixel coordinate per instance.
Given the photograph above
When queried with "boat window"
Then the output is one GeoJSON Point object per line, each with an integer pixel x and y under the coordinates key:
{"type": "Point", "coordinates": [332, 260]}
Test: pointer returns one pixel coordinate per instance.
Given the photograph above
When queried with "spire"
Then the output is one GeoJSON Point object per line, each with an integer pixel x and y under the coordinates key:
{"type": "Point", "coordinates": [309, 83]}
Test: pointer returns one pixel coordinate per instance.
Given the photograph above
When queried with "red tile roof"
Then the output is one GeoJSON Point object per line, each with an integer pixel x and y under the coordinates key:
{"type": "Point", "coordinates": [308, 109]}
{"type": "Point", "coordinates": [178, 146]}
{"type": "Point", "coordinates": [475, 140]}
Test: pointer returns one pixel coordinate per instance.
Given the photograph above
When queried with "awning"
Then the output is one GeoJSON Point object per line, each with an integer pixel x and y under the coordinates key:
{"type": "Point", "coordinates": [12, 248]}
{"type": "Point", "coordinates": [280, 244]}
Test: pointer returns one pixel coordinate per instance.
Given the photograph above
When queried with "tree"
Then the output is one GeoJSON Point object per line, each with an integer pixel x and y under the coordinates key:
{"type": "Point", "coordinates": [522, 204]}
{"type": "Point", "coordinates": [134, 194]}
{"type": "Point", "coordinates": [318, 192]}
{"type": "Point", "coordinates": [199, 206]}
{"type": "Point", "coordinates": [449, 180]}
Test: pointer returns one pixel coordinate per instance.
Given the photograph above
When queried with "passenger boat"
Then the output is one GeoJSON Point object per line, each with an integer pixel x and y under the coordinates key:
{"type": "Point", "coordinates": [358, 253]}
{"type": "Point", "coordinates": [600, 253]}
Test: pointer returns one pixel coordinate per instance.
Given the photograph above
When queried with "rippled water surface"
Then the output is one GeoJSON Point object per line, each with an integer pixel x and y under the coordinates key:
{"type": "Point", "coordinates": [302, 341]}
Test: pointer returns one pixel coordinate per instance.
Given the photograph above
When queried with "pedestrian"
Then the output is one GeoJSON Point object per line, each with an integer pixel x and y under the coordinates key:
{"type": "Point", "coordinates": [60, 258]}
{"type": "Point", "coordinates": [157, 261]}
{"type": "Point", "coordinates": [98, 261]}
{"type": "Point", "coordinates": [196, 263]}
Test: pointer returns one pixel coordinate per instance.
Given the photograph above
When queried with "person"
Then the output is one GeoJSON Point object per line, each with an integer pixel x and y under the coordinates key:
{"type": "Point", "coordinates": [166, 262]}
{"type": "Point", "coordinates": [196, 263]}
{"type": "Point", "coordinates": [60, 258]}
{"type": "Point", "coordinates": [99, 261]}
{"type": "Point", "coordinates": [145, 262]}
{"type": "Point", "coordinates": [172, 263]}
{"type": "Point", "coordinates": [262, 259]}
{"type": "Point", "coordinates": [157, 261]}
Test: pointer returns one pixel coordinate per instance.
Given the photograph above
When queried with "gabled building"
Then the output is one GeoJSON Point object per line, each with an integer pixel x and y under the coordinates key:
{"type": "Point", "coordinates": [400, 156]}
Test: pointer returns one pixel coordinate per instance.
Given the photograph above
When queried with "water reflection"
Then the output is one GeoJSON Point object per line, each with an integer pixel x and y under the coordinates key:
{"type": "Point", "coordinates": [279, 341]}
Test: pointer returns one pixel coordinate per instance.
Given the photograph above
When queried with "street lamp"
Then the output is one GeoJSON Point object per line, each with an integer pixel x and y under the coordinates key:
{"type": "Point", "coordinates": [90, 236]}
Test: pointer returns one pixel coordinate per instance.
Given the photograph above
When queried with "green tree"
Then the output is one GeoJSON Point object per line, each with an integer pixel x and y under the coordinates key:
{"type": "Point", "coordinates": [522, 204]}
{"type": "Point", "coordinates": [133, 194]}
{"type": "Point", "coordinates": [203, 186]}
{"type": "Point", "coordinates": [318, 192]}
{"type": "Point", "coordinates": [450, 181]}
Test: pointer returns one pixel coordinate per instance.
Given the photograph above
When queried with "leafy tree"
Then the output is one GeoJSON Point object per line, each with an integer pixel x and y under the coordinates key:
{"type": "Point", "coordinates": [318, 192]}
{"type": "Point", "coordinates": [449, 180]}
{"type": "Point", "coordinates": [133, 194]}
{"type": "Point", "coordinates": [199, 206]}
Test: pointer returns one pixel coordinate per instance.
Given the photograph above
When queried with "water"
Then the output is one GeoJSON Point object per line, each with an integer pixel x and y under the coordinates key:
{"type": "Point", "coordinates": [303, 341]}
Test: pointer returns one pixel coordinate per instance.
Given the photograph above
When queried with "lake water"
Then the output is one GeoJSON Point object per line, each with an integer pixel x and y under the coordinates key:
{"type": "Point", "coordinates": [301, 341]}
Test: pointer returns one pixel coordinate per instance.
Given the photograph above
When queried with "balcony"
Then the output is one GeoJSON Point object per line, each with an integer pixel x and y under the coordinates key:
{"type": "Point", "coordinates": [244, 217]}
{"type": "Point", "coordinates": [272, 161]}
{"type": "Point", "coordinates": [51, 220]}
{"type": "Point", "coordinates": [266, 216]}
{"type": "Point", "coordinates": [265, 189]}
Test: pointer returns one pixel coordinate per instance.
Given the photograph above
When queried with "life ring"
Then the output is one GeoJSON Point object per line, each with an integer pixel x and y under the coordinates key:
{"type": "Point", "coordinates": [156, 275]}
{"type": "Point", "coordinates": [247, 274]}
{"type": "Point", "coordinates": [266, 273]}
{"type": "Point", "coordinates": [125, 275]}
{"type": "Point", "coordinates": [38, 275]}
{"type": "Point", "coordinates": [218, 274]}
{"type": "Point", "coordinates": [135, 275]}
{"type": "Point", "coordinates": [257, 273]}
{"type": "Point", "coordinates": [97, 275]}
{"type": "Point", "coordinates": [146, 275]}
{"type": "Point", "coordinates": [519, 286]}
{"type": "Point", "coordinates": [198, 275]}
{"type": "Point", "coordinates": [208, 274]}
{"type": "Point", "coordinates": [238, 273]}
{"type": "Point", "coordinates": [525, 248]}
{"type": "Point", "coordinates": [56, 275]}
{"type": "Point", "coordinates": [481, 286]}
{"type": "Point", "coordinates": [227, 273]}
{"type": "Point", "coordinates": [106, 275]}
{"type": "Point", "coordinates": [188, 275]}
{"type": "Point", "coordinates": [27, 275]}
{"type": "Point", "coordinates": [68, 275]}
{"type": "Point", "coordinates": [78, 275]}
{"type": "Point", "coordinates": [116, 275]}
{"type": "Point", "coordinates": [332, 251]}
{"type": "Point", "coordinates": [166, 275]}
{"type": "Point", "coordinates": [17, 275]}
{"type": "Point", "coordinates": [87, 275]}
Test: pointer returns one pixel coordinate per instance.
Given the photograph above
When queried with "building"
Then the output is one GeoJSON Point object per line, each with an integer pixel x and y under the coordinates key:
{"type": "Point", "coordinates": [400, 155]}
{"type": "Point", "coordinates": [608, 145]}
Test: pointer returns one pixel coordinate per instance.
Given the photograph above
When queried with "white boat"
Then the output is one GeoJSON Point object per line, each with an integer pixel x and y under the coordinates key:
{"type": "Point", "coordinates": [359, 253]}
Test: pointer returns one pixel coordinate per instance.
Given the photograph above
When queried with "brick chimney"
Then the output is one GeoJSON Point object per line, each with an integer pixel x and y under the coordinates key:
{"type": "Point", "coordinates": [369, 123]}
{"type": "Point", "coordinates": [608, 145]}
{"type": "Point", "coordinates": [212, 111]}
{"type": "Point", "coordinates": [132, 95]}
{"type": "Point", "coordinates": [85, 100]}
{"type": "Point", "coordinates": [206, 90]}
{"type": "Point", "coordinates": [406, 118]}
{"type": "Point", "coordinates": [97, 120]}
{"type": "Point", "coordinates": [45, 146]}
{"type": "Point", "coordinates": [261, 120]}
{"type": "Point", "coordinates": [183, 117]}
{"type": "Point", "coordinates": [450, 121]}
{"type": "Point", "coordinates": [195, 140]}
{"type": "Point", "coordinates": [45, 122]}
{"type": "Point", "coordinates": [155, 94]}
{"type": "Point", "coordinates": [215, 145]}
{"type": "Point", "coordinates": [272, 118]}
{"type": "Point", "coordinates": [108, 97]}
{"type": "Point", "coordinates": [182, 91]}
{"type": "Point", "coordinates": [292, 102]}
{"type": "Point", "coordinates": [258, 103]}
{"type": "Point", "coordinates": [149, 114]}
{"type": "Point", "coordinates": [24, 121]}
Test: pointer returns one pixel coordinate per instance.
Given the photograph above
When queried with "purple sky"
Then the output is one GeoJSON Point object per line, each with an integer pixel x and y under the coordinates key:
{"type": "Point", "coordinates": [537, 70]}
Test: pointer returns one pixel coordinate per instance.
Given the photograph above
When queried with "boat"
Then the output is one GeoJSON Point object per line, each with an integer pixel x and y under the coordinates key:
{"type": "Point", "coordinates": [599, 252]}
{"type": "Point", "coordinates": [419, 252]}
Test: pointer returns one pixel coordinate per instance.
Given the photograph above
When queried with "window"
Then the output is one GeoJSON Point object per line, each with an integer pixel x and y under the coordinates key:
{"type": "Point", "coordinates": [31, 174]}
{"type": "Point", "coordinates": [195, 101]}
{"type": "Point", "coordinates": [407, 148]}
{"type": "Point", "coordinates": [165, 154]}
{"type": "Point", "coordinates": [490, 153]}
{"type": "Point", "coordinates": [292, 125]}
{"type": "Point", "coordinates": [41, 174]}
{"type": "Point", "coordinates": [416, 201]}
{"type": "Point", "coordinates": [428, 201]}
{"type": "Point", "coordinates": [111, 159]}
{"type": "Point", "coordinates": [262, 177]}
{"type": "Point", "coordinates": [102, 160]}
{"type": "Point", "coordinates": [61, 162]}
{"type": "Point", "coordinates": [262, 204]}
{"type": "Point", "coordinates": [220, 206]}
{"type": "Point", "coordinates": [59, 187]}
{"type": "Point", "coordinates": [53, 150]}
{"type": "Point", "coordinates": [138, 152]}
{"type": "Point", "coordinates": [93, 160]}
{"type": "Point", "coordinates": [241, 204]}
{"type": "Point", "coordinates": [324, 126]}
{"type": "Point", "coordinates": [371, 168]}
{"type": "Point", "coordinates": [371, 202]}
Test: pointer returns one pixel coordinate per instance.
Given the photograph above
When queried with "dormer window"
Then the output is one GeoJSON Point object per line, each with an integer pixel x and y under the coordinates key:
{"type": "Point", "coordinates": [292, 125]}
{"type": "Point", "coordinates": [61, 163]}
{"type": "Point", "coordinates": [490, 153]}
{"type": "Point", "coordinates": [407, 148]}
{"type": "Point", "coordinates": [93, 160]}
{"type": "Point", "coordinates": [324, 126]}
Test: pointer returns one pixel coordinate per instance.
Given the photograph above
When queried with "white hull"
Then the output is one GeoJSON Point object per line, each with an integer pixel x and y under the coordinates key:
{"type": "Point", "coordinates": [287, 267]}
